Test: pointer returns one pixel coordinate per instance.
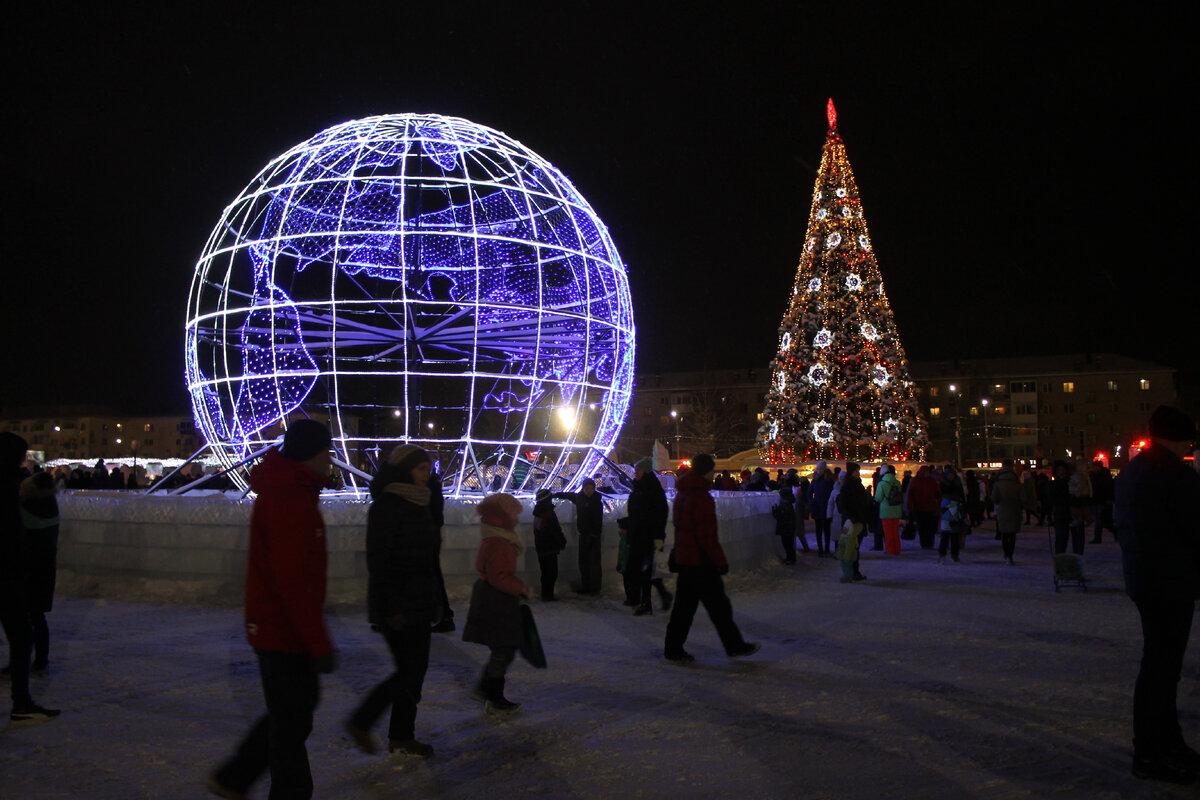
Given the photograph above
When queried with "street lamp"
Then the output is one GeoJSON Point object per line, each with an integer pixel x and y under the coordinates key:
{"type": "Point", "coordinates": [987, 445]}
{"type": "Point", "coordinates": [675, 416]}
{"type": "Point", "coordinates": [957, 428]}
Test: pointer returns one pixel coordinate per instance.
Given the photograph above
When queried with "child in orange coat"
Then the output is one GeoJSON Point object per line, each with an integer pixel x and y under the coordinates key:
{"type": "Point", "coordinates": [494, 618]}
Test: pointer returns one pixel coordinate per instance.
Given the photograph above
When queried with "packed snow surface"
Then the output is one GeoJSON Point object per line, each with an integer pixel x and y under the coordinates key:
{"type": "Point", "coordinates": [971, 680]}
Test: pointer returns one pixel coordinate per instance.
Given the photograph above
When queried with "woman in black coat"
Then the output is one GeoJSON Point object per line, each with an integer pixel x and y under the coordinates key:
{"type": "Point", "coordinates": [404, 596]}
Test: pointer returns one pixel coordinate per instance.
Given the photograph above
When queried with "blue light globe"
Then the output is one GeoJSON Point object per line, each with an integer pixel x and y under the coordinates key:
{"type": "Point", "coordinates": [415, 278]}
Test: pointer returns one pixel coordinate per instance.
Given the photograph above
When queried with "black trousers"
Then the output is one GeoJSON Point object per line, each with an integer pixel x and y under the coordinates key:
{"type": "Point", "coordinates": [927, 523]}
{"type": "Point", "coordinates": [1063, 531]}
{"type": "Point", "coordinates": [824, 531]}
{"type": "Point", "coordinates": [951, 539]}
{"type": "Point", "coordinates": [17, 630]}
{"type": "Point", "coordinates": [589, 562]}
{"type": "Point", "coordinates": [1166, 626]}
{"type": "Point", "coordinates": [789, 546]}
{"type": "Point", "coordinates": [548, 566]}
{"type": "Point", "coordinates": [698, 585]}
{"type": "Point", "coordinates": [1008, 541]}
{"type": "Point", "coordinates": [276, 742]}
{"type": "Point", "coordinates": [402, 689]}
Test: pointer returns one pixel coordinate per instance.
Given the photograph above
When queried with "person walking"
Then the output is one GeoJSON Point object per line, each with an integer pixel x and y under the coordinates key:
{"type": "Point", "coordinates": [494, 617]}
{"type": "Point", "coordinates": [548, 542]}
{"type": "Point", "coordinates": [1159, 532]}
{"type": "Point", "coordinates": [39, 518]}
{"type": "Point", "coordinates": [589, 520]}
{"type": "Point", "coordinates": [285, 593]}
{"type": "Point", "coordinates": [701, 563]}
{"type": "Point", "coordinates": [646, 513]}
{"type": "Point", "coordinates": [404, 596]}
{"type": "Point", "coordinates": [1006, 495]}
{"type": "Point", "coordinates": [890, 498]}
{"type": "Point", "coordinates": [14, 573]}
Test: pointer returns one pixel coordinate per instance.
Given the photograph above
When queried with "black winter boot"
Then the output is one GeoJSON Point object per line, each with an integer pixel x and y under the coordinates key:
{"type": "Point", "coordinates": [497, 703]}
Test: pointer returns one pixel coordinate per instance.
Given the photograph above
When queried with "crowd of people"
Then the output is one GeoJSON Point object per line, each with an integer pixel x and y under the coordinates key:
{"type": "Point", "coordinates": [938, 506]}
{"type": "Point", "coordinates": [406, 595]}
{"type": "Point", "coordinates": [407, 602]}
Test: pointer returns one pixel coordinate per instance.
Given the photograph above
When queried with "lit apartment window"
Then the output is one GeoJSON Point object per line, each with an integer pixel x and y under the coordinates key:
{"type": "Point", "coordinates": [933, 391]}
{"type": "Point", "coordinates": [1001, 410]}
{"type": "Point", "coordinates": [1112, 386]}
{"type": "Point", "coordinates": [935, 412]}
{"type": "Point", "coordinates": [1144, 385]}
{"type": "Point", "coordinates": [974, 412]}
{"type": "Point", "coordinates": [1068, 386]}
{"type": "Point", "coordinates": [760, 416]}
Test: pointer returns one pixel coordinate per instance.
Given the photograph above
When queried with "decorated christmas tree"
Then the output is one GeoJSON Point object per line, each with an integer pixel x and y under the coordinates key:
{"type": "Point", "coordinates": [840, 387]}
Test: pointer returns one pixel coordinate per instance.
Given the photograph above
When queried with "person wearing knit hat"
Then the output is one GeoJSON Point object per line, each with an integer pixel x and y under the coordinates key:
{"type": "Point", "coordinates": [284, 613]}
{"type": "Point", "coordinates": [13, 573]}
{"type": "Point", "coordinates": [405, 596]}
{"type": "Point", "coordinates": [494, 617]}
{"type": "Point", "coordinates": [304, 439]}
{"type": "Point", "coordinates": [646, 523]}
{"type": "Point", "coordinates": [701, 562]}
{"type": "Point", "coordinates": [1159, 531]}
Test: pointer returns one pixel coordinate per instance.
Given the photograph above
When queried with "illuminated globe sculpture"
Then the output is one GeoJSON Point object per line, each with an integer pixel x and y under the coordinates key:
{"type": "Point", "coordinates": [415, 278]}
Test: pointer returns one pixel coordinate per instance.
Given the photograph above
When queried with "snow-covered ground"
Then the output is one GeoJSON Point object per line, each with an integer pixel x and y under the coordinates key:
{"type": "Point", "coordinates": [927, 681]}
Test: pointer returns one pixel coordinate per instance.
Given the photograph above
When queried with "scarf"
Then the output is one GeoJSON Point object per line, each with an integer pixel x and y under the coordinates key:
{"type": "Point", "coordinates": [417, 495]}
{"type": "Point", "coordinates": [487, 530]}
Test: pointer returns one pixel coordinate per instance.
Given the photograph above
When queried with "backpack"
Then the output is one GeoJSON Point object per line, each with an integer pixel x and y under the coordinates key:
{"type": "Point", "coordinates": [894, 496]}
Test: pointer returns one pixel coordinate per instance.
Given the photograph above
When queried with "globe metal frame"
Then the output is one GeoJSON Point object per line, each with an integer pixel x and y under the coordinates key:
{"type": "Point", "coordinates": [419, 279]}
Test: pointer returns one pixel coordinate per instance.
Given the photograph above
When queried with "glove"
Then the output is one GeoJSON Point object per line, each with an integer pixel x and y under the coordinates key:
{"type": "Point", "coordinates": [326, 664]}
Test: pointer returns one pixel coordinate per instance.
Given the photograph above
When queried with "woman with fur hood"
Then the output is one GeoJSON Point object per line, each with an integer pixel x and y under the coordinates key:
{"type": "Point", "coordinates": [494, 618]}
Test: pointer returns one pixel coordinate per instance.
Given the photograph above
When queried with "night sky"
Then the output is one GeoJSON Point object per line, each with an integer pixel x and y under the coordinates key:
{"type": "Point", "coordinates": [1023, 171]}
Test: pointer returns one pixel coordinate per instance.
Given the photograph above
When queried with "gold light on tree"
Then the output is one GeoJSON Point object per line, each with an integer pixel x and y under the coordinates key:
{"type": "Point", "coordinates": [840, 387]}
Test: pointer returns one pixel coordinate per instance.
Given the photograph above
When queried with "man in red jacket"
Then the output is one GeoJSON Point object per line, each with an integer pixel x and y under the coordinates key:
{"type": "Point", "coordinates": [285, 594]}
{"type": "Point", "coordinates": [701, 563]}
